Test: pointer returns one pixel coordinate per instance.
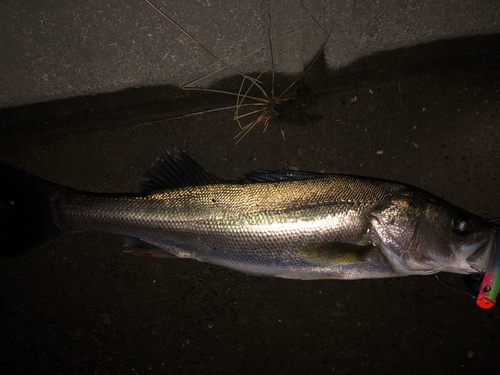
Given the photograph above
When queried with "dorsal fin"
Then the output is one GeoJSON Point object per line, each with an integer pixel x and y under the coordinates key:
{"type": "Point", "coordinates": [273, 176]}
{"type": "Point", "coordinates": [170, 172]}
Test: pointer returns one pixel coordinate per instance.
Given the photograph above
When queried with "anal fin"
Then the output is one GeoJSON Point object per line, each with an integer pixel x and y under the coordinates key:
{"type": "Point", "coordinates": [138, 247]}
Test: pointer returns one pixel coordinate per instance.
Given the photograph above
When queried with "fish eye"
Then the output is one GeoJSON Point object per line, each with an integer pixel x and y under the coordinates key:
{"type": "Point", "coordinates": [461, 225]}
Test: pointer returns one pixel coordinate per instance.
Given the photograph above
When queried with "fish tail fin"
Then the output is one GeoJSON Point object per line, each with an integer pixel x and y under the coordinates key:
{"type": "Point", "coordinates": [26, 219]}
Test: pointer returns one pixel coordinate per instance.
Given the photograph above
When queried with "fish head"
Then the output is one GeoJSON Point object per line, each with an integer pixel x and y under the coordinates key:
{"type": "Point", "coordinates": [420, 233]}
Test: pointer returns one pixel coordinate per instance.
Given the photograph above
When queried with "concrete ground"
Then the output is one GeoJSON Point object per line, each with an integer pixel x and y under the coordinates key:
{"type": "Point", "coordinates": [427, 115]}
{"type": "Point", "coordinates": [60, 49]}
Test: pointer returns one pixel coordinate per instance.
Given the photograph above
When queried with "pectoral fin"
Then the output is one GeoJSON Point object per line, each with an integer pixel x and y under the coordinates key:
{"type": "Point", "coordinates": [335, 252]}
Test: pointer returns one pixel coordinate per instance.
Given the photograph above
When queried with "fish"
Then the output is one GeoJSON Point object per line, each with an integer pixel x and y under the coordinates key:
{"type": "Point", "coordinates": [288, 224]}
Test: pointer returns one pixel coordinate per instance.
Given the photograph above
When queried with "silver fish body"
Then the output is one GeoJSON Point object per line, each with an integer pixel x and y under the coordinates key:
{"type": "Point", "coordinates": [284, 224]}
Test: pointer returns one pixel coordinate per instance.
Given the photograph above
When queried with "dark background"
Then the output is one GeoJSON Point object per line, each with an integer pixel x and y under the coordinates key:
{"type": "Point", "coordinates": [426, 115]}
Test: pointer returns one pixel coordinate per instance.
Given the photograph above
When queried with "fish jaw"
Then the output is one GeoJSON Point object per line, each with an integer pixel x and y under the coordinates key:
{"type": "Point", "coordinates": [479, 256]}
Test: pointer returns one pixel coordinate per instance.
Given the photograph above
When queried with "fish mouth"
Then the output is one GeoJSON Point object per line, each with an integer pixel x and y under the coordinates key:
{"type": "Point", "coordinates": [478, 254]}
